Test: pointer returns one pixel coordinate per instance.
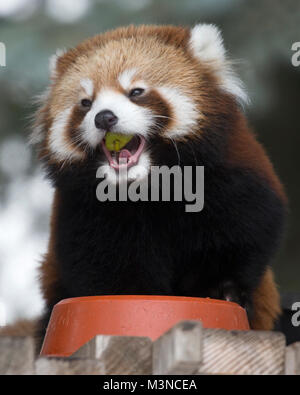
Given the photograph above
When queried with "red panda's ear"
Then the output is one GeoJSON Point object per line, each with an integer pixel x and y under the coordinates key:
{"type": "Point", "coordinates": [53, 62]}
{"type": "Point", "coordinates": [206, 45]}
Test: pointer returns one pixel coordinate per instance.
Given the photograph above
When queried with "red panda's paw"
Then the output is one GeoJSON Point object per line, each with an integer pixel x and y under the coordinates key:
{"type": "Point", "coordinates": [230, 291]}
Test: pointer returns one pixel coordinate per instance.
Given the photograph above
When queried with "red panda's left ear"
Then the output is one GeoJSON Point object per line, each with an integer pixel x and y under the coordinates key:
{"type": "Point", "coordinates": [53, 62]}
{"type": "Point", "coordinates": [206, 45]}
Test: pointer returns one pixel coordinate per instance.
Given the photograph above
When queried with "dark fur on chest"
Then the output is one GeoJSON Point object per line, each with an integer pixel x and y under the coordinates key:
{"type": "Point", "coordinates": [158, 248]}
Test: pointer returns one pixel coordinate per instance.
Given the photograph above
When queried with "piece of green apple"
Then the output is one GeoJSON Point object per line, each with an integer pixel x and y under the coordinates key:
{"type": "Point", "coordinates": [116, 141]}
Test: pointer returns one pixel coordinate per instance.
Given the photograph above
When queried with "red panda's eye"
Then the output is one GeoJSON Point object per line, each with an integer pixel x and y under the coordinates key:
{"type": "Point", "coordinates": [136, 92]}
{"type": "Point", "coordinates": [86, 103]}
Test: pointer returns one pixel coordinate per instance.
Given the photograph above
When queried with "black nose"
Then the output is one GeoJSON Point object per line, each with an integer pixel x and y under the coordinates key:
{"type": "Point", "coordinates": [105, 119]}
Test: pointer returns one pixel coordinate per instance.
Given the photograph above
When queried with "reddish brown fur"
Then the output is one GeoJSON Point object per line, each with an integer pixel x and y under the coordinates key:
{"type": "Point", "coordinates": [266, 303]}
{"type": "Point", "coordinates": [170, 35]}
{"type": "Point", "coordinates": [244, 150]}
{"type": "Point", "coordinates": [72, 128]}
{"type": "Point", "coordinates": [20, 328]}
{"type": "Point", "coordinates": [161, 52]}
{"type": "Point", "coordinates": [49, 265]}
{"type": "Point", "coordinates": [214, 105]}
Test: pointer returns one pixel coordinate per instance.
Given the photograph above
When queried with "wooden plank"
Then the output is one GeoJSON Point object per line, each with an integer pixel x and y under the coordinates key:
{"type": "Point", "coordinates": [292, 359]}
{"type": "Point", "coordinates": [119, 354]}
{"type": "Point", "coordinates": [63, 366]}
{"type": "Point", "coordinates": [242, 352]}
{"type": "Point", "coordinates": [178, 351]}
{"type": "Point", "coordinates": [16, 355]}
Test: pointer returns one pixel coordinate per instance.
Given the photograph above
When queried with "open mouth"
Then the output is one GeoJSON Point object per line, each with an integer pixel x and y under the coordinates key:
{"type": "Point", "coordinates": [122, 151]}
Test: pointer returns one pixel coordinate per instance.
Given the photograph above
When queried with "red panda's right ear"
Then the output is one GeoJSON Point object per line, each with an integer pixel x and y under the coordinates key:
{"type": "Point", "coordinates": [206, 45]}
{"type": "Point", "coordinates": [53, 62]}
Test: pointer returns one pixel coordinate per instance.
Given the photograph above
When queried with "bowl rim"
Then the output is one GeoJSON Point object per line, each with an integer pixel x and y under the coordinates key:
{"type": "Point", "coordinates": [150, 298]}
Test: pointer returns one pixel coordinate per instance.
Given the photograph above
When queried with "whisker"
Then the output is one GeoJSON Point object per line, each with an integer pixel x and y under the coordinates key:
{"type": "Point", "coordinates": [177, 151]}
{"type": "Point", "coordinates": [163, 116]}
{"type": "Point", "coordinates": [194, 155]}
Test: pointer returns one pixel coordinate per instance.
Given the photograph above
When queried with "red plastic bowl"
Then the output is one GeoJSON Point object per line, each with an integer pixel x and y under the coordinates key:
{"type": "Point", "coordinates": [75, 321]}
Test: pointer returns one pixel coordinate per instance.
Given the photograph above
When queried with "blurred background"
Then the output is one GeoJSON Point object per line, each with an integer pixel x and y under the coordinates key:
{"type": "Point", "coordinates": [258, 33]}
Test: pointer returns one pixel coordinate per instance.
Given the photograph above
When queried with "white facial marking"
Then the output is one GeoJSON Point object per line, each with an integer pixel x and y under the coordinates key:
{"type": "Point", "coordinates": [89, 132]}
{"type": "Point", "coordinates": [88, 86]}
{"type": "Point", "coordinates": [185, 113]}
{"type": "Point", "coordinates": [206, 43]}
{"type": "Point", "coordinates": [57, 139]}
{"type": "Point", "coordinates": [131, 117]}
{"type": "Point", "coordinates": [126, 77]}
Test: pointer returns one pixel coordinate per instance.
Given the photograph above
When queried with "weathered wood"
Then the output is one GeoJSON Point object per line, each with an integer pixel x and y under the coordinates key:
{"type": "Point", "coordinates": [187, 348]}
{"type": "Point", "coordinates": [16, 355]}
{"type": "Point", "coordinates": [63, 366]}
{"type": "Point", "coordinates": [178, 351]}
{"type": "Point", "coordinates": [292, 359]}
{"type": "Point", "coordinates": [119, 354]}
{"type": "Point", "coordinates": [242, 352]}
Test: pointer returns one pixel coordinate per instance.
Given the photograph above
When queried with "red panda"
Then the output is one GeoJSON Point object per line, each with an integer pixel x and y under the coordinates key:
{"type": "Point", "coordinates": [174, 95]}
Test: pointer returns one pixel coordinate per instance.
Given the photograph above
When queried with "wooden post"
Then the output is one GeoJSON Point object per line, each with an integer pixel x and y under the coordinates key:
{"type": "Point", "coordinates": [242, 352]}
{"type": "Point", "coordinates": [187, 348]}
{"type": "Point", "coordinates": [178, 351]}
{"type": "Point", "coordinates": [119, 354]}
{"type": "Point", "coordinates": [16, 355]}
{"type": "Point", "coordinates": [292, 359]}
{"type": "Point", "coordinates": [63, 366]}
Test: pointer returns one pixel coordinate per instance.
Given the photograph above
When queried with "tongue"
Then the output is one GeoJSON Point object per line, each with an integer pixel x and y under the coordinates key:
{"type": "Point", "coordinates": [124, 156]}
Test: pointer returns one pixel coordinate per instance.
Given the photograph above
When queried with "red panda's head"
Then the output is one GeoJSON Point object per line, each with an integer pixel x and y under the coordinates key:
{"type": "Point", "coordinates": [157, 86]}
